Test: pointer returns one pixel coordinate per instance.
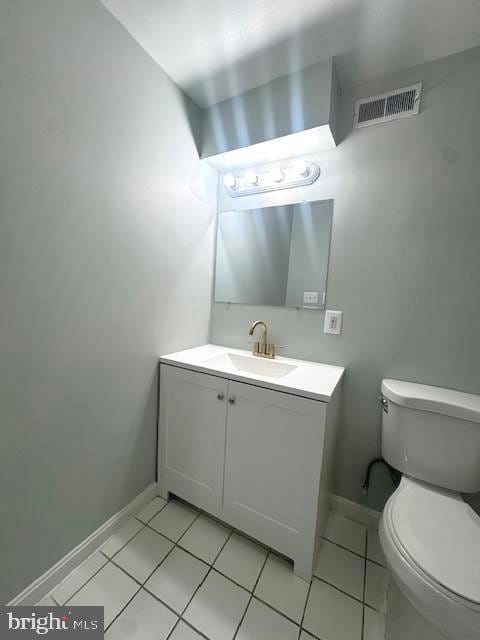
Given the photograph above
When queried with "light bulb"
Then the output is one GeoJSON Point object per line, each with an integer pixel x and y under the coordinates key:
{"type": "Point", "coordinates": [302, 168]}
{"type": "Point", "coordinates": [251, 177]}
{"type": "Point", "coordinates": [229, 181]}
{"type": "Point", "coordinates": [276, 174]}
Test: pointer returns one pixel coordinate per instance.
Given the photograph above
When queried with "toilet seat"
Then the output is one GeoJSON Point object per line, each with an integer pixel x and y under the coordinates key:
{"type": "Point", "coordinates": [437, 571]}
{"type": "Point", "coordinates": [441, 534]}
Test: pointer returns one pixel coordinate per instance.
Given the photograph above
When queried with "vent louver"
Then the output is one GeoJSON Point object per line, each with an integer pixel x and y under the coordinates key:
{"type": "Point", "coordinates": [387, 106]}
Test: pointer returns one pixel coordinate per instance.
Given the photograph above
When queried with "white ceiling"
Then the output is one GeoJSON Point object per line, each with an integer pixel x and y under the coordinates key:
{"type": "Point", "coordinates": [215, 49]}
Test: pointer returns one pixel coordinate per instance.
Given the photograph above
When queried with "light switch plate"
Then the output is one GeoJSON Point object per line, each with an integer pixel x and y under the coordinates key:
{"type": "Point", "coordinates": [310, 297]}
{"type": "Point", "coordinates": [333, 322]}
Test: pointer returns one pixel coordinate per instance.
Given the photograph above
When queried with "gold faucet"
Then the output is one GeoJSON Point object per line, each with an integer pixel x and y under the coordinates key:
{"type": "Point", "coordinates": [262, 349]}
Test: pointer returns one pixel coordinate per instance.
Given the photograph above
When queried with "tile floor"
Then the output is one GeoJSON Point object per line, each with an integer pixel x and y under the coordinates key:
{"type": "Point", "coordinates": [174, 573]}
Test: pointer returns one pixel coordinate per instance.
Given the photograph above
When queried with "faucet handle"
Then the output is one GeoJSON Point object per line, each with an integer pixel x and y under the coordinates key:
{"type": "Point", "coordinates": [274, 348]}
{"type": "Point", "coordinates": [255, 347]}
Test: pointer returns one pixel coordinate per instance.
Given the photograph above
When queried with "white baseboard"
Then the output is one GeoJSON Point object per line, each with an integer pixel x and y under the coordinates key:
{"type": "Point", "coordinates": [355, 511]}
{"type": "Point", "coordinates": [40, 587]}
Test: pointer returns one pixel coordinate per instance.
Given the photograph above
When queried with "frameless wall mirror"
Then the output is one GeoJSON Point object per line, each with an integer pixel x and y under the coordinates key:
{"type": "Point", "coordinates": [274, 256]}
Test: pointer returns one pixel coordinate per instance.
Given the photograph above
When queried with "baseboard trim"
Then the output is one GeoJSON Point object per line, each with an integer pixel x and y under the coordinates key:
{"type": "Point", "coordinates": [40, 587]}
{"type": "Point", "coordinates": [355, 511]}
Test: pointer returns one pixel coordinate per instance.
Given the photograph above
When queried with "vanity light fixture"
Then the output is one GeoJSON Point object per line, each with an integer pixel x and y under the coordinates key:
{"type": "Point", "coordinates": [298, 174]}
{"type": "Point", "coordinates": [277, 174]}
{"type": "Point", "coordinates": [251, 177]}
{"type": "Point", "coordinates": [229, 181]}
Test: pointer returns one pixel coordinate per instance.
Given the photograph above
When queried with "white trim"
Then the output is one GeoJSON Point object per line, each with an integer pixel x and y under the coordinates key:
{"type": "Point", "coordinates": [355, 511]}
{"type": "Point", "coordinates": [40, 587]}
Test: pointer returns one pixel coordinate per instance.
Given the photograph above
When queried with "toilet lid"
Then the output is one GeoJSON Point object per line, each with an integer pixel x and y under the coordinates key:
{"type": "Point", "coordinates": [441, 533]}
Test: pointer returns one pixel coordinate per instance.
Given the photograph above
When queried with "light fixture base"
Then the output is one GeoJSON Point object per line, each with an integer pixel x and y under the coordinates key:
{"type": "Point", "coordinates": [266, 184]}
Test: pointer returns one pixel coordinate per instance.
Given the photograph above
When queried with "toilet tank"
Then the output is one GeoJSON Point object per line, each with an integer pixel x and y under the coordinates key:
{"type": "Point", "coordinates": [432, 434]}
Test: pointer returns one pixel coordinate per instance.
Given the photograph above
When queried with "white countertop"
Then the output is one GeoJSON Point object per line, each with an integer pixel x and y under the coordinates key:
{"type": "Point", "coordinates": [303, 378]}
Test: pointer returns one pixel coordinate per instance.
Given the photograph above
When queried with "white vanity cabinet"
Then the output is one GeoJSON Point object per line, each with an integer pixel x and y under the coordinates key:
{"type": "Point", "coordinates": [193, 411]}
{"type": "Point", "coordinates": [257, 458]}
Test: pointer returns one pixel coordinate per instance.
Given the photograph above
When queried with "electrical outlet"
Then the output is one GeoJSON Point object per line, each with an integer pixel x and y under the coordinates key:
{"type": "Point", "coordinates": [310, 297]}
{"type": "Point", "coordinates": [333, 322]}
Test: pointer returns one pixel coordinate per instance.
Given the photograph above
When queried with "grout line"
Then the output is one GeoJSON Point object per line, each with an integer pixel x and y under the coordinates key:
{"type": "Point", "coordinates": [137, 582]}
{"type": "Point", "coordinates": [124, 545]}
{"type": "Point", "coordinates": [212, 568]}
{"type": "Point", "coordinates": [309, 633]}
{"type": "Point", "coordinates": [366, 551]}
{"type": "Point", "coordinates": [251, 596]}
{"type": "Point", "coordinates": [376, 563]}
{"type": "Point", "coordinates": [110, 560]}
{"type": "Point", "coordinates": [197, 631]}
{"type": "Point", "coordinates": [345, 593]}
{"type": "Point", "coordinates": [123, 609]}
{"type": "Point", "coordinates": [359, 555]}
{"type": "Point", "coordinates": [179, 616]}
{"type": "Point", "coordinates": [162, 534]}
{"type": "Point", "coordinates": [155, 514]}
{"type": "Point", "coordinates": [200, 586]}
{"type": "Point", "coordinates": [87, 581]}
{"type": "Point", "coordinates": [224, 575]}
{"type": "Point", "coordinates": [364, 587]}
{"type": "Point", "coordinates": [176, 542]}
{"type": "Point", "coordinates": [369, 606]}
{"type": "Point", "coordinates": [282, 613]}
{"type": "Point", "coordinates": [305, 608]}
{"type": "Point", "coordinates": [148, 576]}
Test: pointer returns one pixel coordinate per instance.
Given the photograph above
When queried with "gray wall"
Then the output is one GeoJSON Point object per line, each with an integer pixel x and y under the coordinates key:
{"type": "Point", "coordinates": [106, 249]}
{"type": "Point", "coordinates": [405, 259]}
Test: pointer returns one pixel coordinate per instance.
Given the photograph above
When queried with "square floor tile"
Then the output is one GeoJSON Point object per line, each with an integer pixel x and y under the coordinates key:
{"type": "Point", "coordinates": [177, 578]}
{"type": "Point", "coordinates": [263, 623]}
{"type": "Point", "coordinates": [205, 538]}
{"type": "Point", "coordinates": [174, 519]}
{"type": "Point", "coordinates": [110, 588]}
{"type": "Point", "coordinates": [151, 509]}
{"type": "Point", "coordinates": [121, 537]}
{"type": "Point", "coordinates": [183, 632]}
{"type": "Point", "coordinates": [332, 615]}
{"type": "Point", "coordinates": [376, 585]}
{"type": "Point", "coordinates": [341, 568]}
{"type": "Point", "coordinates": [346, 533]}
{"type": "Point", "coordinates": [144, 619]}
{"type": "Point", "coordinates": [217, 608]}
{"type": "Point", "coordinates": [282, 589]}
{"type": "Point", "coordinates": [143, 554]}
{"type": "Point", "coordinates": [373, 625]}
{"type": "Point", "coordinates": [79, 577]}
{"type": "Point", "coordinates": [306, 636]}
{"type": "Point", "coordinates": [241, 560]}
{"type": "Point", "coordinates": [48, 601]}
{"type": "Point", "coordinates": [374, 548]}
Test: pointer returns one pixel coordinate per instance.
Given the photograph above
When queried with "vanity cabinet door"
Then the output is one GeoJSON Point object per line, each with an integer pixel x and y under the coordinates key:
{"type": "Point", "coordinates": [274, 455]}
{"type": "Point", "coordinates": [191, 446]}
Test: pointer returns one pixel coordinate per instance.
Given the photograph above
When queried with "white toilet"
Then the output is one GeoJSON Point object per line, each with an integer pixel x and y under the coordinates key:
{"type": "Point", "coordinates": [429, 535]}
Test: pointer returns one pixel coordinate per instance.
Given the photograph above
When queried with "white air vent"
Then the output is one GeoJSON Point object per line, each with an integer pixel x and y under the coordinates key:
{"type": "Point", "coordinates": [387, 106]}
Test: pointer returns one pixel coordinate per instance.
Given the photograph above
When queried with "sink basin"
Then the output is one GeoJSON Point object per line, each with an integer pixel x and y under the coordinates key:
{"type": "Point", "coordinates": [307, 379]}
{"type": "Point", "coordinates": [251, 364]}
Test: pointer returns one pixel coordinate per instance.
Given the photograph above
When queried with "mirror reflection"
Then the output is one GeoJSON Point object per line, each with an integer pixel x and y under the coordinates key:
{"type": "Point", "coordinates": [274, 256]}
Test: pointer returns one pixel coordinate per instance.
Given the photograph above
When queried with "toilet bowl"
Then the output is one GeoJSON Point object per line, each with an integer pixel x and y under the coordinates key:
{"type": "Point", "coordinates": [431, 542]}
{"type": "Point", "coordinates": [430, 536]}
